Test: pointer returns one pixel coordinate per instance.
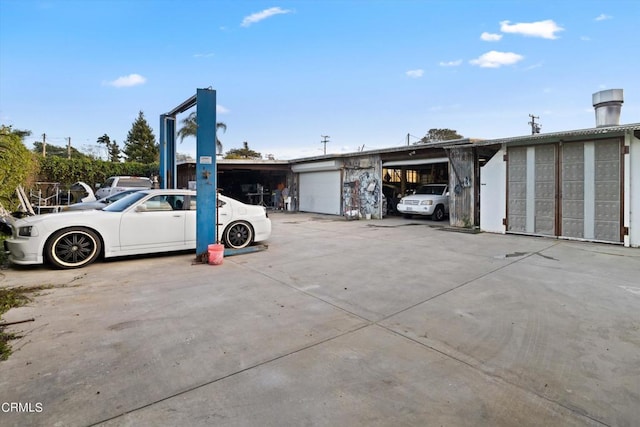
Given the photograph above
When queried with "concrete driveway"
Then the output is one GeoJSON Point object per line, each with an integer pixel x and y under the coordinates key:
{"type": "Point", "coordinates": [339, 323]}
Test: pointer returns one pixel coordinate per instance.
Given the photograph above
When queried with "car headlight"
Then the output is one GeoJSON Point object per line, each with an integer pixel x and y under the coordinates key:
{"type": "Point", "coordinates": [27, 231]}
{"type": "Point", "coordinates": [426, 202]}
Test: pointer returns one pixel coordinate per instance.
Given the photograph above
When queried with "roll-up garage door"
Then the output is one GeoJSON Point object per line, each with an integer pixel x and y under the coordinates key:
{"type": "Point", "coordinates": [320, 192]}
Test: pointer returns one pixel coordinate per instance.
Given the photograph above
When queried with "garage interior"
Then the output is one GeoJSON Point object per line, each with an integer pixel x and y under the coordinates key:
{"type": "Point", "coordinates": [249, 181]}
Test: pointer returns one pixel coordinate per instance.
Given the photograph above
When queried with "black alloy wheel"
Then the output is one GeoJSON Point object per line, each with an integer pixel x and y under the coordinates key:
{"type": "Point", "coordinates": [73, 247]}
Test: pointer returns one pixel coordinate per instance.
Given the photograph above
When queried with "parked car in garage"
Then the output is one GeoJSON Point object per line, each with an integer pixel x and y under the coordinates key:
{"type": "Point", "coordinates": [99, 204]}
{"type": "Point", "coordinates": [428, 200]}
{"type": "Point", "coordinates": [144, 222]}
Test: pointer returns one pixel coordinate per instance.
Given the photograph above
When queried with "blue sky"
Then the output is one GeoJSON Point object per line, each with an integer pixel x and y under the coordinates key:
{"type": "Point", "coordinates": [365, 73]}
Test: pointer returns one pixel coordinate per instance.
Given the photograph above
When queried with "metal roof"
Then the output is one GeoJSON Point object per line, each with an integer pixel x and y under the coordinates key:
{"type": "Point", "coordinates": [390, 150]}
{"type": "Point", "coordinates": [570, 135]}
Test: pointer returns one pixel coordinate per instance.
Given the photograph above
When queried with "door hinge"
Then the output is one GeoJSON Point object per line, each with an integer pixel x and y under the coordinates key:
{"type": "Point", "coordinates": [626, 149]}
{"type": "Point", "coordinates": [505, 158]}
{"type": "Point", "coordinates": [504, 221]}
{"type": "Point", "coordinates": [625, 231]}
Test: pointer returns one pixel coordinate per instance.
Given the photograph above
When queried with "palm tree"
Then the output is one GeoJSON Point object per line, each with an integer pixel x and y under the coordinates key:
{"type": "Point", "coordinates": [190, 128]}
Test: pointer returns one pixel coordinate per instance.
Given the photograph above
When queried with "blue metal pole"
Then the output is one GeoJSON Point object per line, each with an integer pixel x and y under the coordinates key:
{"type": "Point", "coordinates": [206, 177]}
{"type": "Point", "coordinates": [167, 151]}
{"type": "Point", "coordinates": [170, 127]}
{"type": "Point", "coordinates": [163, 151]}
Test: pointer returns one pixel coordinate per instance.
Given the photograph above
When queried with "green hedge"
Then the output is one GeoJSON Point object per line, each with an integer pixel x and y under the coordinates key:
{"type": "Point", "coordinates": [17, 165]}
{"type": "Point", "coordinates": [91, 172]}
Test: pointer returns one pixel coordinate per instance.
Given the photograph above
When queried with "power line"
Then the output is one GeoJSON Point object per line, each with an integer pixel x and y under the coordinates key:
{"type": "Point", "coordinates": [535, 127]}
{"type": "Point", "coordinates": [324, 141]}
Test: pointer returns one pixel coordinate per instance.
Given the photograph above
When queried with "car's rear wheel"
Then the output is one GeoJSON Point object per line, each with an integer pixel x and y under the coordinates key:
{"type": "Point", "coordinates": [438, 214]}
{"type": "Point", "coordinates": [238, 235]}
{"type": "Point", "coordinates": [407, 216]}
{"type": "Point", "coordinates": [73, 248]}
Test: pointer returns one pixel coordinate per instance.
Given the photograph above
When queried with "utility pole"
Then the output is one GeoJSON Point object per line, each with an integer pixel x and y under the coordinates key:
{"type": "Point", "coordinates": [535, 127]}
{"type": "Point", "coordinates": [408, 135]}
{"type": "Point", "coordinates": [324, 141]}
{"type": "Point", "coordinates": [68, 147]}
{"type": "Point", "coordinates": [44, 145]}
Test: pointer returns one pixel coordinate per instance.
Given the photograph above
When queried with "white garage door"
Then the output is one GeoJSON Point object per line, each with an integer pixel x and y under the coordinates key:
{"type": "Point", "coordinates": [320, 192]}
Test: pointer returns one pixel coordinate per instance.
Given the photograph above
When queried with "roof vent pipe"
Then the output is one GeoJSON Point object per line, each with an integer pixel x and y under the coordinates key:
{"type": "Point", "coordinates": [608, 104]}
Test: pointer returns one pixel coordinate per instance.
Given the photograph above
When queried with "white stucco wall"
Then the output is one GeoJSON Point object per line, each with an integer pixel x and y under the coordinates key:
{"type": "Point", "coordinates": [632, 191]}
{"type": "Point", "coordinates": [493, 193]}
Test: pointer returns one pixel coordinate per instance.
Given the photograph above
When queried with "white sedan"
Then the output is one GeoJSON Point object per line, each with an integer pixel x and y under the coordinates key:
{"type": "Point", "coordinates": [143, 222]}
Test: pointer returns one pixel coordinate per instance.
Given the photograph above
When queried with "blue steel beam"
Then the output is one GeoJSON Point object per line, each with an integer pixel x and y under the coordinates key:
{"type": "Point", "coordinates": [206, 177]}
{"type": "Point", "coordinates": [167, 151]}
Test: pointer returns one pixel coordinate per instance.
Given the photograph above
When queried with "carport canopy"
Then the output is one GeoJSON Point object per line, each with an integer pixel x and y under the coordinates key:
{"type": "Point", "coordinates": [415, 162]}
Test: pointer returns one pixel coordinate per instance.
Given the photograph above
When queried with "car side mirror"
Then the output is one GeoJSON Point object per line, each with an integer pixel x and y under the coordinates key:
{"type": "Point", "coordinates": [141, 208]}
{"type": "Point", "coordinates": [446, 194]}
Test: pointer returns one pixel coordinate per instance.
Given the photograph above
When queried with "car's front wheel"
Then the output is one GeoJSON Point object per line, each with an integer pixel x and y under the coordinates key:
{"type": "Point", "coordinates": [438, 214]}
{"type": "Point", "coordinates": [238, 235]}
{"type": "Point", "coordinates": [73, 248]}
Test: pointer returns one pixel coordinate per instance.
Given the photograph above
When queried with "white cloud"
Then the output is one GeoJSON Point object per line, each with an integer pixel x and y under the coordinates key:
{"type": "Point", "coordinates": [450, 63]}
{"type": "Point", "coordinates": [221, 110]}
{"type": "Point", "coordinates": [415, 74]}
{"type": "Point", "coordinates": [494, 59]}
{"type": "Point", "coordinates": [544, 29]}
{"type": "Point", "coordinates": [259, 16]}
{"type": "Point", "coordinates": [127, 81]}
{"type": "Point", "coordinates": [203, 55]}
{"type": "Point", "coordinates": [585, 38]}
{"type": "Point", "coordinates": [603, 17]}
{"type": "Point", "coordinates": [490, 37]}
{"type": "Point", "coordinates": [534, 66]}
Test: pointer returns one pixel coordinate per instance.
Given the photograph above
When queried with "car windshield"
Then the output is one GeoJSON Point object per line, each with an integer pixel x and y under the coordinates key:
{"type": "Point", "coordinates": [117, 196]}
{"type": "Point", "coordinates": [125, 202]}
{"type": "Point", "coordinates": [431, 189]}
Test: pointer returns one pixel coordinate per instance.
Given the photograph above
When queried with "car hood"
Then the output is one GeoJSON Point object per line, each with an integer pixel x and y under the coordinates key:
{"type": "Point", "coordinates": [65, 217]}
{"type": "Point", "coordinates": [85, 206]}
{"type": "Point", "coordinates": [422, 197]}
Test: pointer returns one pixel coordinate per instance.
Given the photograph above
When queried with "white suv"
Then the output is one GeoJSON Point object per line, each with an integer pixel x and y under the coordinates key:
{"type": "Point", "coordinates": [116, 184]}
{"type": "Point", "coordinates": [431, 200]}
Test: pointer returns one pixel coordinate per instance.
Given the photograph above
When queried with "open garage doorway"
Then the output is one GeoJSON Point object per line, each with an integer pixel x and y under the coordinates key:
{"type": "Point", "coordinates": [402, 177]}
{"type": "Point", "coordinates": [254, 182]}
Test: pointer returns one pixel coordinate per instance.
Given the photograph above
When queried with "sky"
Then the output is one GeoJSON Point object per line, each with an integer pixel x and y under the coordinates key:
{"type": "Point", "coordinates": [365, 74]}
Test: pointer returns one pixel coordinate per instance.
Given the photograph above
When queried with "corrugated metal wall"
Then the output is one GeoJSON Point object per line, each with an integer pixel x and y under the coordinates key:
{"type": "Point", "coordinates": [589, 190]}
{"type": "Point", "coordinates": [462, 187]}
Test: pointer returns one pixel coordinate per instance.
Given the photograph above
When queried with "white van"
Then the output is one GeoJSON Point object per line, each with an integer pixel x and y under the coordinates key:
{"type": "Point", "coordinates": [116, 184]}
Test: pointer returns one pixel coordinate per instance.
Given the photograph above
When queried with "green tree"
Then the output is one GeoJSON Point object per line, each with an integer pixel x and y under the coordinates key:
{"type": "Point", "coordinates": [113, 150]}
{"type": "Point", "coordinates": [140, 145]}
{"type": "Point", "coordinates": [243, 153]}
{"type": "Point", "coordinates": [18, 163]}
{"type": "Point", "coordinates": [436, 135]}
{"type": "Point", "coordinates": [190, 128]}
